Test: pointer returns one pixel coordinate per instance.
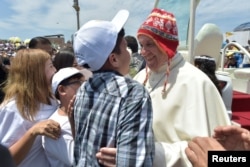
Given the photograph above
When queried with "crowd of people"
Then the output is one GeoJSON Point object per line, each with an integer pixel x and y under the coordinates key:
{"type": "Point", "coordinates": [80, 107]}
{"type": "Point", "coordinates": [7, 48]}
{"type": "Point", "coordinates": [234, 58]}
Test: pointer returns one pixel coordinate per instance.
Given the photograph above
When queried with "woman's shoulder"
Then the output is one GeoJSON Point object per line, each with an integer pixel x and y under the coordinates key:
{"type": "Point", "coordinates": [46, 110]}
{"type": "Point", "coordinates": [8, 106]}
{"type": "Point", "coordinates": [192, 71]}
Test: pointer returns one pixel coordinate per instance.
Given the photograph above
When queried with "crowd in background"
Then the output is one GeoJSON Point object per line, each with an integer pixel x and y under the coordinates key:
{"type": "Point", "coordinates": [234, 57]}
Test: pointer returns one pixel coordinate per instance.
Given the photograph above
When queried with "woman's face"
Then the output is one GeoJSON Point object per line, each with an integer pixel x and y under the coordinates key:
{"type": "Point", "coordinates": [153, 56]}
{"type": "Point", "coordinates": [50, 70]}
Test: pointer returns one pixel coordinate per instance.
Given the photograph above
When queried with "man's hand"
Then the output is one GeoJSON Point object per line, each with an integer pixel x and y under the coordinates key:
{"type": "Point", "coordinates": [233, 137]}
{"type": "Point", "coordinates": [107, 156]}
{"type": "Point", "coordinates": [197, 150]}
{"type": "Point", "coordinates": [70, 113]}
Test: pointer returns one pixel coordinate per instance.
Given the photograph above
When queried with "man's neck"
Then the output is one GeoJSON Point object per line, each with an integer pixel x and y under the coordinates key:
{"type": "Point", "coordinates": [62, 111]}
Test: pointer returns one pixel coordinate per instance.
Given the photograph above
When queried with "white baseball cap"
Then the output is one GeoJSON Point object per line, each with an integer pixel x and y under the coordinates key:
{"type": "Point", "coordinates": [96, 39]}
{"type": "Point", "coordinates": [61, 75]}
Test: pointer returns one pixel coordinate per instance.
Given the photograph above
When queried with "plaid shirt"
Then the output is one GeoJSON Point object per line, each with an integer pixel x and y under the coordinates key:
{"type": "Point", "coordinates": [113, 111]}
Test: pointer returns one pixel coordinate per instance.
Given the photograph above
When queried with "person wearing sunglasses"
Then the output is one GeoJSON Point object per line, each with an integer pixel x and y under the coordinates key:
{"type": "Point", "coordinates": [65, 84]}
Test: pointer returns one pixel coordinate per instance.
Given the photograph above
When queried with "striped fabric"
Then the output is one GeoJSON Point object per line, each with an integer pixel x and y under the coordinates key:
{"type": "Point", "coordinates": [113, 111]}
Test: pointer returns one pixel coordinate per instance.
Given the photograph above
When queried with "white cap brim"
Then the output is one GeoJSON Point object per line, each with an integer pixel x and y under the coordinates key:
{"type": "Point", "coordinates": [120, 19]}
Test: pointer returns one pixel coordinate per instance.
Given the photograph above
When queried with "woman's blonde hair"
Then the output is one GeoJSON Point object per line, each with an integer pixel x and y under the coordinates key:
{"type": "Point", "coordinates": [27, 82]}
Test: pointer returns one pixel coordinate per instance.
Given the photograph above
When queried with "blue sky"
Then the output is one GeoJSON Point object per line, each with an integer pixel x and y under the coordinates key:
{"type": "Point", "coordinates": [27, 19]}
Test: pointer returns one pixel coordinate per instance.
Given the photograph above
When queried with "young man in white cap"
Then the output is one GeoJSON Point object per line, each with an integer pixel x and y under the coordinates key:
{"type": "Point", "coordinates": [65, 84]}
{"type": "Point", "coordinates": [110, 110]}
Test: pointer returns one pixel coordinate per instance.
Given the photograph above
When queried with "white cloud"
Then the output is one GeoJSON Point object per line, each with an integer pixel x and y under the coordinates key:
{"type": "Point", "coordinates": [224, 13]}
{"type": "Point", "coordinates": [138, 9]}
{"type": "Point", "coordinates": [27, 18]}
{"type": "Point", "coordinates": [44, 17]}
{"type": "Point", "coordinates": [32, 18]}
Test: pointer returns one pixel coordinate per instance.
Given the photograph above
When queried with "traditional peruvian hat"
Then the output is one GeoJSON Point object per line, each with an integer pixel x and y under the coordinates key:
{"type": "Point", "coordinates": [161, 27]}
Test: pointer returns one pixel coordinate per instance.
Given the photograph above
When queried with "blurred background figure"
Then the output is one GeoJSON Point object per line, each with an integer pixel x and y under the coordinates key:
{"type": "Point", "coordinates": [137, 62]}
{"type": "Point", "coordinates": [208, 66]}
{"type": "Point", "coordinates": [234, 58]}
{"type": "Point", "coordinates": [3, 76]}
{"type": "Point", "coordinates": [225, 43]}
{"type": "Point", "coordinates": [42, 43]}
{"type": "Point", "coordinates": [66, 58]}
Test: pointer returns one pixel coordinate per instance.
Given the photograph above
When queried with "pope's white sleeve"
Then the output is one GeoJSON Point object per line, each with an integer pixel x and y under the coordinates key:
{"type": "Point", "coordinates": [171, 155]}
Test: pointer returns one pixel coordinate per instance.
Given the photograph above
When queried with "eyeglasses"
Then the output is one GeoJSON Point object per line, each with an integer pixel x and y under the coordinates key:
{"type": "Point", "coordinates": [74, 82]}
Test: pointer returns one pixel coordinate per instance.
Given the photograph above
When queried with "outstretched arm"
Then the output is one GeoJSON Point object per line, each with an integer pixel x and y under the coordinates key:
{"type": "Point", "coordinates": [20, 149]}
{"type": "Point", "coordinates": [197, 150]}
{"type": "Point", "coordinates": [224, 138]}
{"type": "Point", "coordinates": [233, 137]}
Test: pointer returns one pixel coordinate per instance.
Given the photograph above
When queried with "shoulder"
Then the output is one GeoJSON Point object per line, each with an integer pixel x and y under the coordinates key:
{"type": "Point", "coordinates": [12, 124]}
{"type": "Point", "coordinates": [61, 119]}
{"type": "Point", "coordinates": [131, 87]}
{"type": "Point", "coordinates": [191, 71]}
{"type": "Point", "coordinates": [114, 84]}
{"type": "Point", "coordinates": [9, 108]}
{"type": "Point", "coordinates": [188, 74]}
{"type": "Point", "coordinates": [136, 89]}
{"type": "Point", "coordinates": [140, 76]}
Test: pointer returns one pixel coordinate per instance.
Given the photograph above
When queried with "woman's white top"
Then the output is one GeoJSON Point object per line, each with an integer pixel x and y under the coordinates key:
{"type": "Point", "coordinates": [13, 126]}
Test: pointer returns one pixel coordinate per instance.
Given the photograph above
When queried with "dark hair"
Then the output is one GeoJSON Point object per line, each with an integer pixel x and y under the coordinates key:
{"type": "Point", "coordinates": [6, 60]}
{"type": "Point", "coordinates": [34, 41]}
{"type": "Point", "coordinates": [3, 78]}
{"type": "Point", "coordinates": [118, 42]}
{"type": "Point", "coordinates": [21, 47]}
{"type": "Point", "coordinates": [64, 58]}
{"type": "Point", "coordinates": [208, 66]}
{"type": "Point", "coordinates": [132, 43]}
{"type": "Point", "coordinates": [66, 81]}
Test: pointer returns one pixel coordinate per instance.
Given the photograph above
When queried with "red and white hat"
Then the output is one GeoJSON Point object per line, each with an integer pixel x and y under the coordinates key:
{"type": "Point", "coordinates": [161, 27]}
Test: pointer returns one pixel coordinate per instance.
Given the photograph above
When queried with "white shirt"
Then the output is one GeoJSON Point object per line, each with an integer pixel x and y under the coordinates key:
{"type": "Point", "coordinates": [192, 107]}
{"type": "Point", "coordinates": [60, 152]}
{"type": "Point", "coordinates": [13, 126]}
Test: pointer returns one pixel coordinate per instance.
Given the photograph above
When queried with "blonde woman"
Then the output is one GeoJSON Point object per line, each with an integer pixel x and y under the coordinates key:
{"type": "Point", "coordinates": [27, 105]}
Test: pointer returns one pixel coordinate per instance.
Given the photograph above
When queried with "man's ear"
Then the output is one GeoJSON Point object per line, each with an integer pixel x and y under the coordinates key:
{"type": "Point", "coordinates": [61, 90]}
{"type": "Point", "coordinates": [113, 60]}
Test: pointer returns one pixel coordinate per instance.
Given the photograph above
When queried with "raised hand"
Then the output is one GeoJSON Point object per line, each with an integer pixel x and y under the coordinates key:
{"type": "Point", "coordinates": [197, 150]}
{"type": "Point", "coordinates": [233, 137]}
{"type": "Point", "coordinates": [70, 112]}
